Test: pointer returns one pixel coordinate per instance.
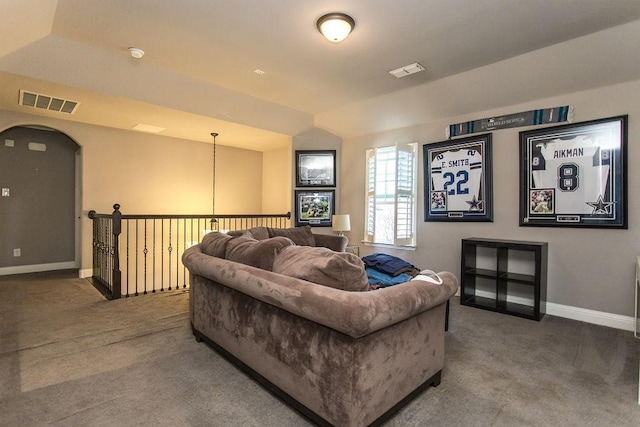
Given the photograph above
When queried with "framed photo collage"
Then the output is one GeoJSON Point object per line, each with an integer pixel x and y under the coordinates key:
{"type": "Point", "coordinates": [315, 187]}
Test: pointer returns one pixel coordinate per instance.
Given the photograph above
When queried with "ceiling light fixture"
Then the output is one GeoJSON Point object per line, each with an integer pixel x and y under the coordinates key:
{"type": "Point", "coordinates": [335, 26]}
{"type": "Point", "coordinates": [136, 53]}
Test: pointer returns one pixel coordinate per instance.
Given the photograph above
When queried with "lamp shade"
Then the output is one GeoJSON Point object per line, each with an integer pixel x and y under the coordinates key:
{"type": "Point", "coordinates": [335, 26]}
{"type": "Point", "coordinates": [341, 223]}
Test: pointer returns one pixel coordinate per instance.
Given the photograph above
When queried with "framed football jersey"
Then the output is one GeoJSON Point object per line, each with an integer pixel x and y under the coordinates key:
{"type": "Point", "coordinates": [457, 180]}
{"type": "Point", "coordinates": [574, 175]}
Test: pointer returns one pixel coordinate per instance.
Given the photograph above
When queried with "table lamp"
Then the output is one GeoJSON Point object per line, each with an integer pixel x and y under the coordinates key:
{"type": "Point", "coordinates": [340, 223]}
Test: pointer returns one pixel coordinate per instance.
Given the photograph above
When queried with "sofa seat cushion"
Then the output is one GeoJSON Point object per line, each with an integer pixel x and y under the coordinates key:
{"type": "Point", "coordinates": [256, 253]}
{"type": "Point", "coordinates": [215, 244]}
{"type": "Point", "coordinates": [340, 270]}
{"type": "Point", "coordinates": [300, 235]}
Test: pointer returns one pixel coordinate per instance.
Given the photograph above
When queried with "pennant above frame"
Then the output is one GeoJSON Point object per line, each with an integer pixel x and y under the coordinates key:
{"type": "Point", "coordinates": [527, 118]}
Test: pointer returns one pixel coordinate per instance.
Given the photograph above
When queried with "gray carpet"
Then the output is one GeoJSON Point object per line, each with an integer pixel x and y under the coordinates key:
{"type": "Point", "coordinates": [69, 357]}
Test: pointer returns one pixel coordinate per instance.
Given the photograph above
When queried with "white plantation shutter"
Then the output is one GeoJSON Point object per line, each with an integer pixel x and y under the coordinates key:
{"type": "Point", "coordinates": [405, 194]}
{"type": "Point", "coordinates": [391, 195]}
{"type": "Point", "coordinates": [371, 196]}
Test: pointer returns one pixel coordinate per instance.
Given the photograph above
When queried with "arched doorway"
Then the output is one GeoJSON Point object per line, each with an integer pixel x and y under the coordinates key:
{"type": "Point", "coordinates": [39, 170]}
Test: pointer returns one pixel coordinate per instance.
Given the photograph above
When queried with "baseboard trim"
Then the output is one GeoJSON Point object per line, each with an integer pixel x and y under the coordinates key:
{"type": "Point", "coordinates": [616, 321]}
{"type": "Point", "coordinates": [611, 320]}
{"type": "Point", "coordinates": [36, 268]}
{"type": "Point", "coordinates": [85, 272]}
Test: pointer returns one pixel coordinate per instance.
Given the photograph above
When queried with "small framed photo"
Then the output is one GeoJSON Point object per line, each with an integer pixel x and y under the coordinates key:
{"type": "Point", "coordinates": [316, 168]}
{"type": "Point", "coordinates": [314, 208]}
{"type": "Point", "coordinates": [457, 180]}
{"type": "Point", "coordinates": [574, 175]}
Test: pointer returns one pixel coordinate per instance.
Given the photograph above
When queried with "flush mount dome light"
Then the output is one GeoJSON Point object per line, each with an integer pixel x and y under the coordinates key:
{"type": "Point", "coordinates": [136, 53]}
{"type": "Point", "coordinates": [335, 26]}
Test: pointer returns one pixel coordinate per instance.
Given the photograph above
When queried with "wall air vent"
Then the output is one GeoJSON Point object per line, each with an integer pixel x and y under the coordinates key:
{"type": "Point", "coordinates": [46, 102]}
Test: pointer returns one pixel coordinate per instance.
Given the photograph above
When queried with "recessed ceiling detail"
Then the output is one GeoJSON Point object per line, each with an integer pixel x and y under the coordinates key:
{"type": "Point", "coordinates": [407, 70]}
{"type": "Point", "coordinates": [47, 102]}
{"type": "Point", "coordinates": [148, 128]}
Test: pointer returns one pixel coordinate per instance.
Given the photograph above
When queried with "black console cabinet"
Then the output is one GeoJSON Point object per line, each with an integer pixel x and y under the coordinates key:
{"type": "Point", "coordinates": [488, 280]}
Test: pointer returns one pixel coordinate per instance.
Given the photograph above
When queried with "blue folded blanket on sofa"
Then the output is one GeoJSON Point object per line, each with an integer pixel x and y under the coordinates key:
{"type": "Point", "coordinates": [387, 270]}
{"type": "Point", "coordinates": [389, 264]}
{"type": "Point", "coordinates": [383, 280]}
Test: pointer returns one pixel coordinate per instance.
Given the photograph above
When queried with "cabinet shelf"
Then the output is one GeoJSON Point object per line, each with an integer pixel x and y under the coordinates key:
{"type": "Point", "coordinates": [482, 272]}
{"type": "Point", "coordinates": [514, 309]}
{"type": "Point", "coordinates": [526, 279]}
{"type": "Point", "coordinates": [489, 288]}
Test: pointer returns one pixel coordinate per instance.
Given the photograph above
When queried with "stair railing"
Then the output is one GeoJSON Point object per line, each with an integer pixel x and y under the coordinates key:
{"type": "Point", "coordinates": [153, 245]}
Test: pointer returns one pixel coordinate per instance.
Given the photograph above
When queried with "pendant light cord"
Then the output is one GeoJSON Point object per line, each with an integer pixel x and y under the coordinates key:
{"type": "Point", "coordinates": [213, 202]}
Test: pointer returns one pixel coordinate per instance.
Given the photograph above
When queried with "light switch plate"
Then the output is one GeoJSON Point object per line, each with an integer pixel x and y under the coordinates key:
{"type": "Point", "coordinates": [5, 192]}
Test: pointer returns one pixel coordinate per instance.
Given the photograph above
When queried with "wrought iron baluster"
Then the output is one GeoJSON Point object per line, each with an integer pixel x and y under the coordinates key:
{"type": "Point", "coordinates": [153, 270]}
{"type": "Point", "coordinates": [184, 246]}
{"type": "Point", "coordinates": [169, 257]}
{"type": "Point", "coordinates": [145, 251]}
{"type": "Point", "coordinates": [162, 258]}
{"type": "Point", "coordinates": [191, 242]}
{"type": "Point", "coordinates": [128, 257]}
{"type": "Point", "coordinates": [137, 255]}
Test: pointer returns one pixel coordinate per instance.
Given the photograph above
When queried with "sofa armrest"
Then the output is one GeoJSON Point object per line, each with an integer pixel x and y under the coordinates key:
{"type": "Point", "coordinates": [333, 242]}
{"type": "Point", "coordinates": [353, 313]}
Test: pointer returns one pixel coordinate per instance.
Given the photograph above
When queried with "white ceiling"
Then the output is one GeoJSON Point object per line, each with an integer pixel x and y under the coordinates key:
{"type": "Point", "coordinates": [197, 75]}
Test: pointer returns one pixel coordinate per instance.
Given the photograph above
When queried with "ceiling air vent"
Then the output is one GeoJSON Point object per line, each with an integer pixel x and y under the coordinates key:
{"type": "Point", "coordinates": [407, 70]}
{"type": "Point", "coordinates": [46, 102]}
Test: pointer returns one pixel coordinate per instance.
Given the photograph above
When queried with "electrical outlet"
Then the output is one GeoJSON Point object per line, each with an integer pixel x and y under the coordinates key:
{"type": "Point", "coordinates": [5, 192]}
{"type": "Point", "coordinates": [17, 252]}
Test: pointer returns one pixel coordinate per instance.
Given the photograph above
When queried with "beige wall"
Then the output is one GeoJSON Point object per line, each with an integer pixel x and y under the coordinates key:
{"type": "Point", "coordinates": [317, 139]}
{"type": "Point", "coordinates": [588, 268]}
{"type": "Point", "coordinates": [276, 187]}
{"type": "Point", "coordinates": [150, 174]}
{"type": "Point", "coordinates": [238, 181]}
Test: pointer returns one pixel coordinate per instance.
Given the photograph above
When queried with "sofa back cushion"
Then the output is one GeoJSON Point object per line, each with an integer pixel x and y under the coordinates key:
{"type": "Point", "coordinates": [215, 244]}
{"type": "Point", "coordinates": [340, 270]}
{"type": "Point", "coordinates": [300, 235]}
{"type": "Point", "coordinates": [256, 253]}
{"type": "Point", "coordinates": [258, 233]}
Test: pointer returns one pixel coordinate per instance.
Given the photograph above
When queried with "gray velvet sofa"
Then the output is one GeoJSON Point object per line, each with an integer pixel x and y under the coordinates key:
{"type": "Point", "coordinates": [341, 357]}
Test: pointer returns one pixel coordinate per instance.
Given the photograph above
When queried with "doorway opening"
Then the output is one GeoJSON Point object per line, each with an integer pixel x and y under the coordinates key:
{"type": "Point", "coordinates": [40, 203]}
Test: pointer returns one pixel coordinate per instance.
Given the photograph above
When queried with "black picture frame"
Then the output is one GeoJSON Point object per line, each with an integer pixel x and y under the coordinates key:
{"type": "Point", "coordinates": [314, 208]}
{"type": "Point", "coordinates": [575, 175]}
{"type": "Point", "coordinates": [315, 168]}
{"type": "Point", "coordinates": [457, 180]}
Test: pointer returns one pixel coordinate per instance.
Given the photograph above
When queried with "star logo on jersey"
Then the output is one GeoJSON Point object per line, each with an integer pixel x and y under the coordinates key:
{"type": "Point", "coordinates": [475, 204]}
{"type": "Point", "coordinates": [600, 207]}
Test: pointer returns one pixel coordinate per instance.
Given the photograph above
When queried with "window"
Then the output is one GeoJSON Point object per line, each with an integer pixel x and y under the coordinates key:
{"type": "Point", "coordinates": [391, 195]}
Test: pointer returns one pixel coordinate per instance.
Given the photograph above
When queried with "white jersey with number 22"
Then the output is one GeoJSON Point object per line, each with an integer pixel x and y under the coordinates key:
{"type": "Point", "coordinates": [458, 173]}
